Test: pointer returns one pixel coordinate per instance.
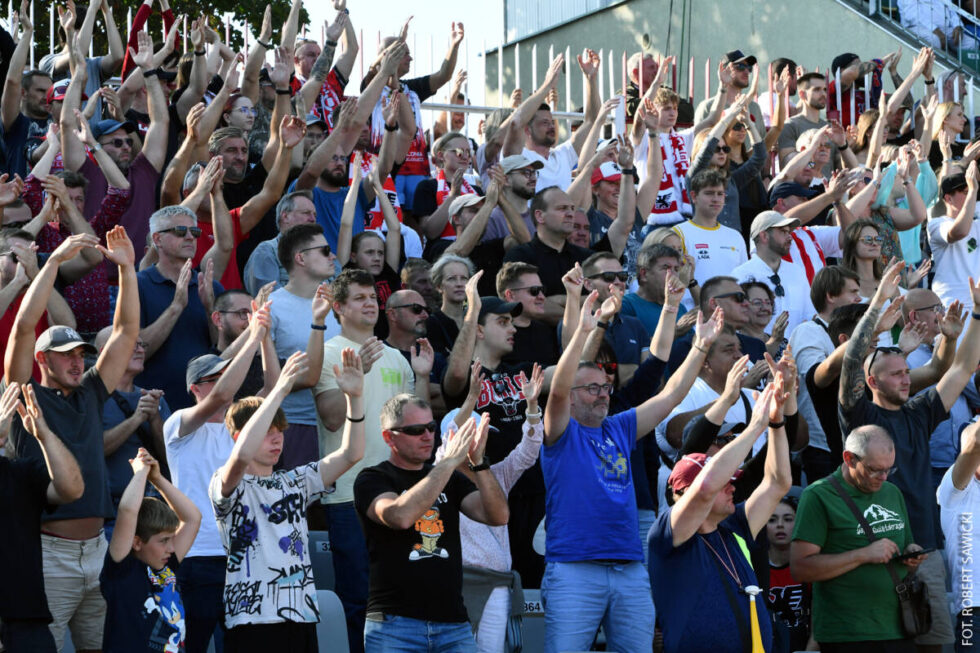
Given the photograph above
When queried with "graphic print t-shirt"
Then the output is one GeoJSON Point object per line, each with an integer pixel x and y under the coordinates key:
{"type": "Point", "coordinates": [144, 611]}
{"type": "Point", "coordinates": [416, 572]}
{"type": "Point", "coordinates": [268, 577]}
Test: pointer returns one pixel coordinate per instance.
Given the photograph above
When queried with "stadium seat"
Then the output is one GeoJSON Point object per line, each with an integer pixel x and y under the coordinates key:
{"type": "Point", "coordinates": [331, 632]}
{"type": "Point", "coordinates": [322, 560]}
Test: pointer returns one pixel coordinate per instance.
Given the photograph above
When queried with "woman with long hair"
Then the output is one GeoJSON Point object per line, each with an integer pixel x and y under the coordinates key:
{"type": "Point", "coordinates": [862, 254]}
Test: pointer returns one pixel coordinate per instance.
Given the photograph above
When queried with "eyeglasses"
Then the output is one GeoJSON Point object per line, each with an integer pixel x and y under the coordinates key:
{"type": "Point", "coordinates": [533, 291]}
{"type": "Point", "coordinates": [760, 303]}
{"type": "Point", "coordinates": [883, 473]}
{"type": "Point", "coordinates": [890, 350]}
{"type": "Point", "coordinates": [608, 368]}
{"type": "Point", "coordinates": [595, 388]}
{"type": "Point", "coordinates": [778, 290]}
{"type": "Point", "coordinates": [871, 240]}
{"type": "Point", "coordinates": [738, 127]}
{"type": "Point", "coordinates": [242, 313]}
{"type": "Point", "coordinates": [528, 173]}
{"type": "Point", "coordinates": [609, 277]}
{"type": "Point", "coordinates": [460, 152]}
{"type": "Point", "coordinates": [737, 297]}
{"type": "Point", "coordinates": [741, 67]}
{"type": "Point", "coordinates": [118, 142]}
{"type": "Point", "coordinates": [723, 148]}
{"type": "Point", "coordinates": [248, 111]}
{"type": "Point", "coordinates": [338, 158]}
{"type": "Point", "coordinates": [324, 249]}
{"type": "Point", "coordinates": [181, 231]}
{"type": "Point", "coordinates": [418, 309]}
{"type": "Point", "coordinates": [416, 430]}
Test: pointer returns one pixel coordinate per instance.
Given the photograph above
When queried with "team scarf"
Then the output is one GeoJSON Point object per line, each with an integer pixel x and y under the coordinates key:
{"type": "Point", "coordinates": [804, 257]}
{"type": "Point", "coordinates": [374, 218]}
{"type": "Point", "coordinates": [676, 165]}
{"type": "Point", "coordinates": [416, 161]}
{"type": "Point", "coordinates": [442, 190]}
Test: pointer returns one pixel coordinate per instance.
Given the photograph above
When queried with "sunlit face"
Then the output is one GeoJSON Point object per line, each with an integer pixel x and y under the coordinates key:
{"type": "Point", "coordinates": [736, 312]}
{"type": "Point", "coordinates": [559, 215]}
{"type": "Point", "coordinates": [889, 379]}
{"type": "Point", "coordinates": [233, 319]}
{"type": "Point", "coordinates": [303, 212]}
{"type": "Point", "coordinates": [304, 58]}
{"type": "Point", "coordinates": [62, 369]}
{"type": "Point", "coordinates": [607, 194]}
{"type": "Point", "coordinates": [454, 278]}
{"type": "Point", "coordinates": [542, 130]}
{"type": "Point", "coordinates": [596, 282]}
{"type": "Point", "coordinates": [234, 158]}
{"type": "Point", "coordinates": [869, 244]}
{"type": "Point", "coordinates": [361, 307]}
{"type": "Point", "coordinates": [654, 278]}
{"type": "Point", "coordinates": [668, 116]}
{"type": "Point", "coordinates": [401, 314]}
{"type": "Point", "coordinates": [760, 307]}
{"type": "Point", "coordinates": [119, 146]}
{"type": "Point", "coordinates": [724, 353]}
{"type": "Point", "coordinates": [869, 473]}
{"type": "Point", "coordinates": [587, 408]}
{"type": "Point", "coordinates": [35, 96]}
{"type": "Point", "coordinates": [533, 304]}
{"type": "Point", "coordinates": [370, 255]}
{"type": "Point", "coordinates": [156, 551]}
{"type": "Point", "coordinates": [580, 235]}
{"type": "Point", "coordinates": [815, 94]}
{"type": "Point", "coordinates": [779, 239]}
{"type": "Point", "coordinates": [242, 114]}
{"type": "Point", "coordinates": [271, 448]}
{"type": "Point", "coordinates": [456, 155]}
{"type": "Point", "coordinates": [497, 333]}
{"type": "Point", "coordinates": [413, 449]}
{"type": "Point", "coordinates": [709, 202]}
{"type": "Point", "coordinates": [851, 294]}
{"type": "Point", "coordinates": [171, 245]}
{"type": "Point", "coordinates": [956, 120]}
{"type": "Point", "coordinates": [780, 526]}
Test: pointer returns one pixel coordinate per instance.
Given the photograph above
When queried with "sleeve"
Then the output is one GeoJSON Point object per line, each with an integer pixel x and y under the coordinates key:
{"type": "Point", "coordinates": [171, 427]}
{"type": "Point", "coordinates": [787, 138]}
{"type": "Point", "coordinates": [94, 381]}
{"type": "Point", "coordinates": [700, 436]}
{"type": "Point", "coordinates": [33, 194]}
{"type": "Point", "coordinates": [518, 253]}
{"type": "Point", "coordinates": [370, 483]}
{"type": "Point", "coordinates": [261, 268]}
{"type": "Point", "coordinates": [947, 496]}
{"type": "Point", "coordinates": [938, 229]}
{"type": "Point", "coordinates": [646, 380]}
{"type": "Point", "coordinates": [425, 198]}
{"type": "Point", "coordinates": [661, 537]}
{"type": "Point", "coordinates": [811, 518]}
{"type": "Point", "coordinates": [422, 87]}
{"type": "Point", "coordinates": [408, 374]}
{"type": "Point", "coordinates": [312, 482]}
{"type": "Point", "coordinates": [751, 168]}
{"type": "Point", "coordinates": [139, 20]}
{"type": "Point", "coordinates": [32, 476]}
{"type": "Point", "coordinates": [521, 458]}
{"type": "Point", "coordinates": [223, 506]}
{"type": "Point", "coordinates": [164, 410]}
{"type": "Point", "coordinates": [828, 237]}
{"type": "Point", "coordinates": [327, 379]}
{"type": "Point", "coordinates": [114, 204]}
{"type": "Point", "coordinates": [703, 158]}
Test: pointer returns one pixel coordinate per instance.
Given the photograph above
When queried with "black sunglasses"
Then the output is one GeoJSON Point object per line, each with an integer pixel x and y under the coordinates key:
{"type": "Point", "coordinates": [890, 350]}
{"type": "Point", "coordinates": [609, 277]}
{"type": "Point", "coordinates": [739, 296]}
{"type": "Point", "coordinates": [119, 142]}
{"type": "Point", "coordinates": [417, 429]}
{"type": "Point", "coordinates": [741, 67]}
{"type": "Point", "coordinates": [534, 291]}
{"type": "Point", "coordinates": [324, 249]}
{"type": "Point", "coordinates": [778, 290]}
{"type": "Point", "coordinates": [738, 127]}
{"type": "Point", "coordinates": [181, 231]}
{"type": "Point", "coordinates": [723, 148]}
{"type": "Point", "coordinates": [418, 309]}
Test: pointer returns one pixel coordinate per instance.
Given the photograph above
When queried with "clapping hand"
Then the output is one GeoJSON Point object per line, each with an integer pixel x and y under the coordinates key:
{"type": "Point", "coordinates": [350, 379]}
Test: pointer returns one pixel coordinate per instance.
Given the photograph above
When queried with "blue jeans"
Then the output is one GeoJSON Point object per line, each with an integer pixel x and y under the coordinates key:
{"type": "Point", "coordinates": [578, 596]}
{"type": "Point", "coordinates": [202, 584]}
{"type": "Point", "coordinates": [392, 634]}
{"type": "Point", "coordinates": [350, 567]}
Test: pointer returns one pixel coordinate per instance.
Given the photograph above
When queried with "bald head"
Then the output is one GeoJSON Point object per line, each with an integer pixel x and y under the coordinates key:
{"type": "Point", "coordinates": [868, 438]}
{"type": "Point", "coordinates": [918, 299]}
{"type": "Point", "coordinates": [102, 337]}
{"type": "Point", "coordinates": [402, 297]}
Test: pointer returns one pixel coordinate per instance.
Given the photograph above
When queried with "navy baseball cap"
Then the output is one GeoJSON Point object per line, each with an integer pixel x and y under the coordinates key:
{"type": "Point", "coordinates": [107, 126]}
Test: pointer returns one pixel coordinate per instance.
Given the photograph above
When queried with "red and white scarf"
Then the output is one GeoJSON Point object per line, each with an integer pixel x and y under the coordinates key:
{"type": "Point", "coordinates": [805, 259]}
{"type": "Point", "coordinates": [417, 159]}
{"type": "Point", "coordinates": [442, 191]}
{"type": "Point", "coordinates": [374, 218]}
{"type": "Point", "coordinates": [672, 197]}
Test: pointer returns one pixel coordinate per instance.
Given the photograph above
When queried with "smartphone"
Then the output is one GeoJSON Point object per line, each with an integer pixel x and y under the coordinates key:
{"type": "Point", "coordinates": [915, 554]}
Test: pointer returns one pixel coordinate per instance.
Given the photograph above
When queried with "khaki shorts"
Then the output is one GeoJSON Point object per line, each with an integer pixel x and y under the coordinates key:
{"type": "Point", "coordinates": [933, 572]}
{"type": "Point", "coordinates": [71, 583]}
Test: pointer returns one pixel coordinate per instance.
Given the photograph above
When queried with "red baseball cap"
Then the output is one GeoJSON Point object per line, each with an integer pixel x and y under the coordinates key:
{"type": "Point", "coordinates": [56, 92]}
{"type": "Point", "coordinates": [687, 469]}
{"type": "Point", "coordinates": [608, 171]}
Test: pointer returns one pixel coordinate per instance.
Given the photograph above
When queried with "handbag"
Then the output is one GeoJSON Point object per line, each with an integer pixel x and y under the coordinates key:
{"type": "Point", "coordinates": [913, 593]}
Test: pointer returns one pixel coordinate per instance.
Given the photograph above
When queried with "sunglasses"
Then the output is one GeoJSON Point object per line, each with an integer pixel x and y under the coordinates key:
{"type": "Point", "coordinates": [761, 303]}
{"type": "Point", "coordinates": [324, 249]}
{"type": "Point", "coordinates": [416, 430]}
{"type": "Point", "coordinates": [608, 368]}
{"type": "Point", "coordinates": [418, 309]}
{"type": "Point", "coordinates": [738, 127]}
{"type": "Point", "coordinates": [871, 240]}
{"type": "Point", "coordinates": [741, 67]}
{"type": "Point", "coordinates": [738, 297]}
{"type": "Point", "coordinates": [778, 290]}
{"type": "Point", "coordinates": [935, 308]}
{"type": "Point", "coordinates": [609, 277]}
{"type": "Point", "coordinates": [119, 142]}
{"type": "Point", "coordinates": [595, 388]}
{"type": "Point", "coordinates": [533, 291]}
{"type": "Point", "coordinates": [723, 148]}
{"type": "Point", "coordinates": [890, 350]}
{"type": "Point", "coordinates": [181, 231]}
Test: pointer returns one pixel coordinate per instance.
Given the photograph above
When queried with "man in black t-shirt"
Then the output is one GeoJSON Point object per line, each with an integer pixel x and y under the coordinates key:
{"type": "Point", "coordinates": [409, 511]}
{"type": "Point", "coordinates": [910, 422]}
{"type": "Point", "coordinates": [535, 340]}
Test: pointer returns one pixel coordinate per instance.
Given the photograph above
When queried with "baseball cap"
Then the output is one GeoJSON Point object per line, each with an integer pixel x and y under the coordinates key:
{"type": "Point", "coordinates": [62, 339]}
{"type": "Point", "coordinates": [687, 469]}
{"type": "Point", "coordinates": [56, 92]}
{"type": "Point", "coordinates": [313, 119]}
{"type": "Point", "coordinates": [768, 220]}
{"type": "Point", "coordinates": [204, 366]}
{"type": "Point", "coordinates": [461, 202]}
{"type": "Point", "coordinates": [107, 126]}
{"type": "Point", "coordinates": [790, 189]}
{"type": "Point", "coordinates": [842, 61]}
{"type": "Point", "coordinates": [952, 183]}
{"type": "Point", "coordinates": [518, 161]}
{"type": "Point", "coordinates": [497, 306]}
{"type": "Point", "coordinates": [608, 171]}
{"type": "Point", "coordinates": [736, 56]}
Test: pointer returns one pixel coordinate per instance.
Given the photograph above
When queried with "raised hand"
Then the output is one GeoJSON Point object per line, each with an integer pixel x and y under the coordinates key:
{"type": "Point", "coordinates": [392, 58]}
{"type": "Point", "coordinates": [532, 387]}
{"type": "Point", "coordinates": [517, 95]}
{"type": "Point", "coordinates": [479, 444]}
{"type": "Point", "coordinates": [573, 280]}
{"type": "Point", "coordinates": [119, 248]}
{"type": "Point", "coordinates": [143, 463]}
{"type": "Point", "coordinates": [912, 335]}
{"type": "Point", "coordinates": [587, 319]}
{"type": "Point", "coordinates": [205, 285]}
{"type": "Point", "coordinates": [760, 412]}
{"type": "Point", "coordinates": [889, 283]}
{"type": "Point", "coordinates": [265, 32]}
{"type": "Point", "coordinates": [951, 324]}
{"type": "Point", "coordinates": [457, 34]}
{"type": "Point", "coordinates": [336, 28]}
{"type": "Point", "coordinates": [168, 44]}
{"type": "Point", "coordinates": [650, 115]}
{"type": "Point", "coordinates": [31, 415]}
{"type": "Point", "coordinates": [779, 327]}
{"type": "Point", "coordinates": [422, 357]}
{"type": "Point", "coordinates": [707, 332]}
{"type": "Point", "coordinates": [183, 281]}
{"type": "Point", "coordinates": [149, 403]}
{"type": "Point", "coordinates": [143, 55]}
{"type": "Point", "coordinates": [389, 110]}
{"type": "Point", "coordinates": [589, 63]}
{"type": "Point", "coordinates": [459, 443]}
{"type": "Point", "coordinates": [550, 77]}
{"type": "Point", "coordinates": [473, 303]}
{"type": "Point", "coordinates": [370, 352]}
{"type": "Point", "coordinates": [889, 316]}
{"type": "Point", "coordinates": [292, 130]}
{"type": "Point", "coordinates": [733, 381]}
{"type": "Point", "coordinates": [674, 291]}
{"type": "Point", "coordinates": [625, 157]}
{"type": "Point", "coordinates": [197, 33]}
{"type": "Point", "coordinates": [350, 378]}
{"type": "Point", "coordinates": [322, 301]}
{"type": "Point", "coordinates": [71, 246]}
{"type": "Point", "coordinates": [917, 275]}
{"type": "Point", "coordinates": [294, 369]}
{"type": "Point", "coordinates": [612, 304]}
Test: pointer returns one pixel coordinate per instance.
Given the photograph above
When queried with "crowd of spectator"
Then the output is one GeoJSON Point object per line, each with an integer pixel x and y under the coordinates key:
{"type": "Point", "coordinates": [709, 386]}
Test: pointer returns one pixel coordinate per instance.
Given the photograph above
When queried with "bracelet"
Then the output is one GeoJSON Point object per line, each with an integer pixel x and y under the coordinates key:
{"type": "Point", "coordinates": [200, 53]}
{"type": "Point", "coordinates": [629, 171]}
{"type": "Point", "coordinates": [391, 129]}
{"type": "Point", "coordinates": [777, 425]}
{"type": "Point", "coordinates": [283, 91]}
{"type": "Point", "coordinates": [700, 349]}
{"type": "Point", "coordinates": [975, 315]}
{"type": "Point", "coordinates": [602, 325]}
{"type": "Point", "coordinates": [652, 134]}
{"type": "Point", "coordinates": [351, 419]}
{"type": "Point", "coordinates": [537, 414]}
{"type": "Point", "coordinates": [152, 73]}
{"type": "Point", "coordinates": [332, 44]}
{"type": "Point", "coordinates": [929, 81]}
{"type": "Point", "coordinates": [320, 327]}
{"type": "Point", "coordinates": [906, 182]}
{"type": "Point", "coordinates": [97, 147]}
{"type": "Point", "coordinates": [843, 148]}
{"type": "Point", "coordinates": [693, 283]}
{"type": "Point", "coordinates": [267, 46]}
{"type": "Point", "coordinates": [668, 309]}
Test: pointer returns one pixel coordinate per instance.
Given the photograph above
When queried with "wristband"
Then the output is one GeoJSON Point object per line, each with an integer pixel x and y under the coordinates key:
{"type": "Point", "coordinates": [283, 91]}
{"type": "Point", "coordinates": [267, 46]}
{"type": "Point", "coordinates": [628, 171]}
{"type": "Point", "coordinates": [700, 349]}
{"type": "Point", "coordinates": [332, 44]}
{"type": "Point", "coordinates": [602, 325]}
{"type": "Point", "coordinates": [152, 73]}
{"type": "Point", "coordinates": [693, 283]}
{"type": "Point", "coordinates": [906, 182]}
{"type": "Point", "coordinates": [200, 53]}
{"type": "Point", "coordinates": [391, 129]}
{"type": "Point", "coordinates": [536, 414]}
{"type": "Point", "coordinates": [484, 465]}
{"type": "Point", "coordinates": [321, 327]}
{"type": "Point", "coordinates": [777, 425]}
{"type": "Point", "coordinates": [843, 148]}
{"type": "Point", "coordinates": [929, 81]}
{"type": "Point", "coordinates": [652, 134]}
{"type": "Point", "coordinates": [97, 147]}
{"type": "Point", "coordinates": [975, 315]}
{"type": "Point", "coordinates": [351, 419]}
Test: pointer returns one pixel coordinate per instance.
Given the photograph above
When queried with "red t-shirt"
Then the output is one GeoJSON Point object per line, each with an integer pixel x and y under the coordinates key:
{"type": "Point", "coordinates": [7, 327]}
{"type": "Point", "coordinates": [231, 279]}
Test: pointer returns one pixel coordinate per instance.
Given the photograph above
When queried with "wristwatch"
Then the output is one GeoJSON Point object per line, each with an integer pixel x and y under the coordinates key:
{"type": "Point", "coordinates": [485, 465]}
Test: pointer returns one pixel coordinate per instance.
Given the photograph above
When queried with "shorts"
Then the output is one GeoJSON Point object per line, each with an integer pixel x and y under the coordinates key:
{"type": "Point", "coordinates": [71, 583]}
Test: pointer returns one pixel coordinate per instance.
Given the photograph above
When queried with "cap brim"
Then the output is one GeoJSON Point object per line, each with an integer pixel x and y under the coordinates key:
{"type": "Point", "coordinates": [75, 344]}
{"type": "Point", "coordinates": [213, 370]}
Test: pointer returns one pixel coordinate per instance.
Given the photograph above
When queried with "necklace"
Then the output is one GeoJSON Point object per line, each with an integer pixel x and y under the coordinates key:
{"type": "Point", "coordinates": [730, 565]}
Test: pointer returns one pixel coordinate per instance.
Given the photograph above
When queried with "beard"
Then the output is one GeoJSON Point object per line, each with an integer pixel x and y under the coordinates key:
{"type": "Point", "coordinates": [523, 193]}
{"type": "Point", "coordinates": [334, 178]}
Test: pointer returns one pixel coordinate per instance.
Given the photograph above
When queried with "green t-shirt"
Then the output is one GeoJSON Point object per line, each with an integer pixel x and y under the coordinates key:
{"type": "Point", "coordinates": [861, 604]}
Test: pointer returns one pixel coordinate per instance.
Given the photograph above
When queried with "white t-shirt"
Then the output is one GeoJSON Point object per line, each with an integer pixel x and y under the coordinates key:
{"type": "Point", "coordinates": [716, 250]}
{"type": "Point", "coordinates": [808, 244]}
{"type": "Point", "coordinates": [557, 170]}
{"type": "Point", "coordinates": [291, 316]}
{"type": "Point", "coordinates": [792, 279]}
{"type": "Point", "coordinates": [410, 239]}
{"type": "Point", "coordinates": [953, 263]}
{"type": "Point", "coordinates": [390, 375]}
{"type": "Point", "coordinates": [810, 344]}
{"type": "Point", "coordinates": [268, 576]}
{"type": "Point", "coordinates": [193, 459]}
{"type": "Point", "coordinates": [959, 512]}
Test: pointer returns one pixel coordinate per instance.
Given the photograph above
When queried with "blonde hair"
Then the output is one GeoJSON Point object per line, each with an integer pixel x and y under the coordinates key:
{"type": "Point", "coordinates": [942, 113]}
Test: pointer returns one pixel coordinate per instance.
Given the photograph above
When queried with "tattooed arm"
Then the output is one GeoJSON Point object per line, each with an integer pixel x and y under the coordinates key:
{"type": "Point", "coordinates": [311, 89]}
{"type": "Point", "coordinates": [861, 342]}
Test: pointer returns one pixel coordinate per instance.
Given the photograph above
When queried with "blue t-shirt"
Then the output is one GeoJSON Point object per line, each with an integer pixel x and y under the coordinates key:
{"type": "Point", "coordinates": [330, 206]}
{"type": "Point", "coordinates": [646, 311]}
{"type": "Point", "coordinates": [144, 611]}
{"type": "Point", "coordinates": [117, 463]}
{"type": "Point", "coordinates": [590, 504]}
{"type": "Point", "coordinates": [687, 586]}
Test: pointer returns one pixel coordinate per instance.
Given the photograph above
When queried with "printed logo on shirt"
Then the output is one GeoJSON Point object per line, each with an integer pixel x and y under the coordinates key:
{"type": "Point", "coordinates": [971, 245]}
{"type": "Point", "coordinates": [881, 520]}
{"type": "Point", "coordinates": [430, 528]}
{"type": "Point", "coordinates": [502, 390]}
{"type": "Point", "coordinates": [612, 466]}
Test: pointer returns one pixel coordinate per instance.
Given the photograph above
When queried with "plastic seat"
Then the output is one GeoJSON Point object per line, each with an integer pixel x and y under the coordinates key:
{"type": "Point", "coordinates": [321, 557]}
{"type": "Point", "coordinates": [331, 632]}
